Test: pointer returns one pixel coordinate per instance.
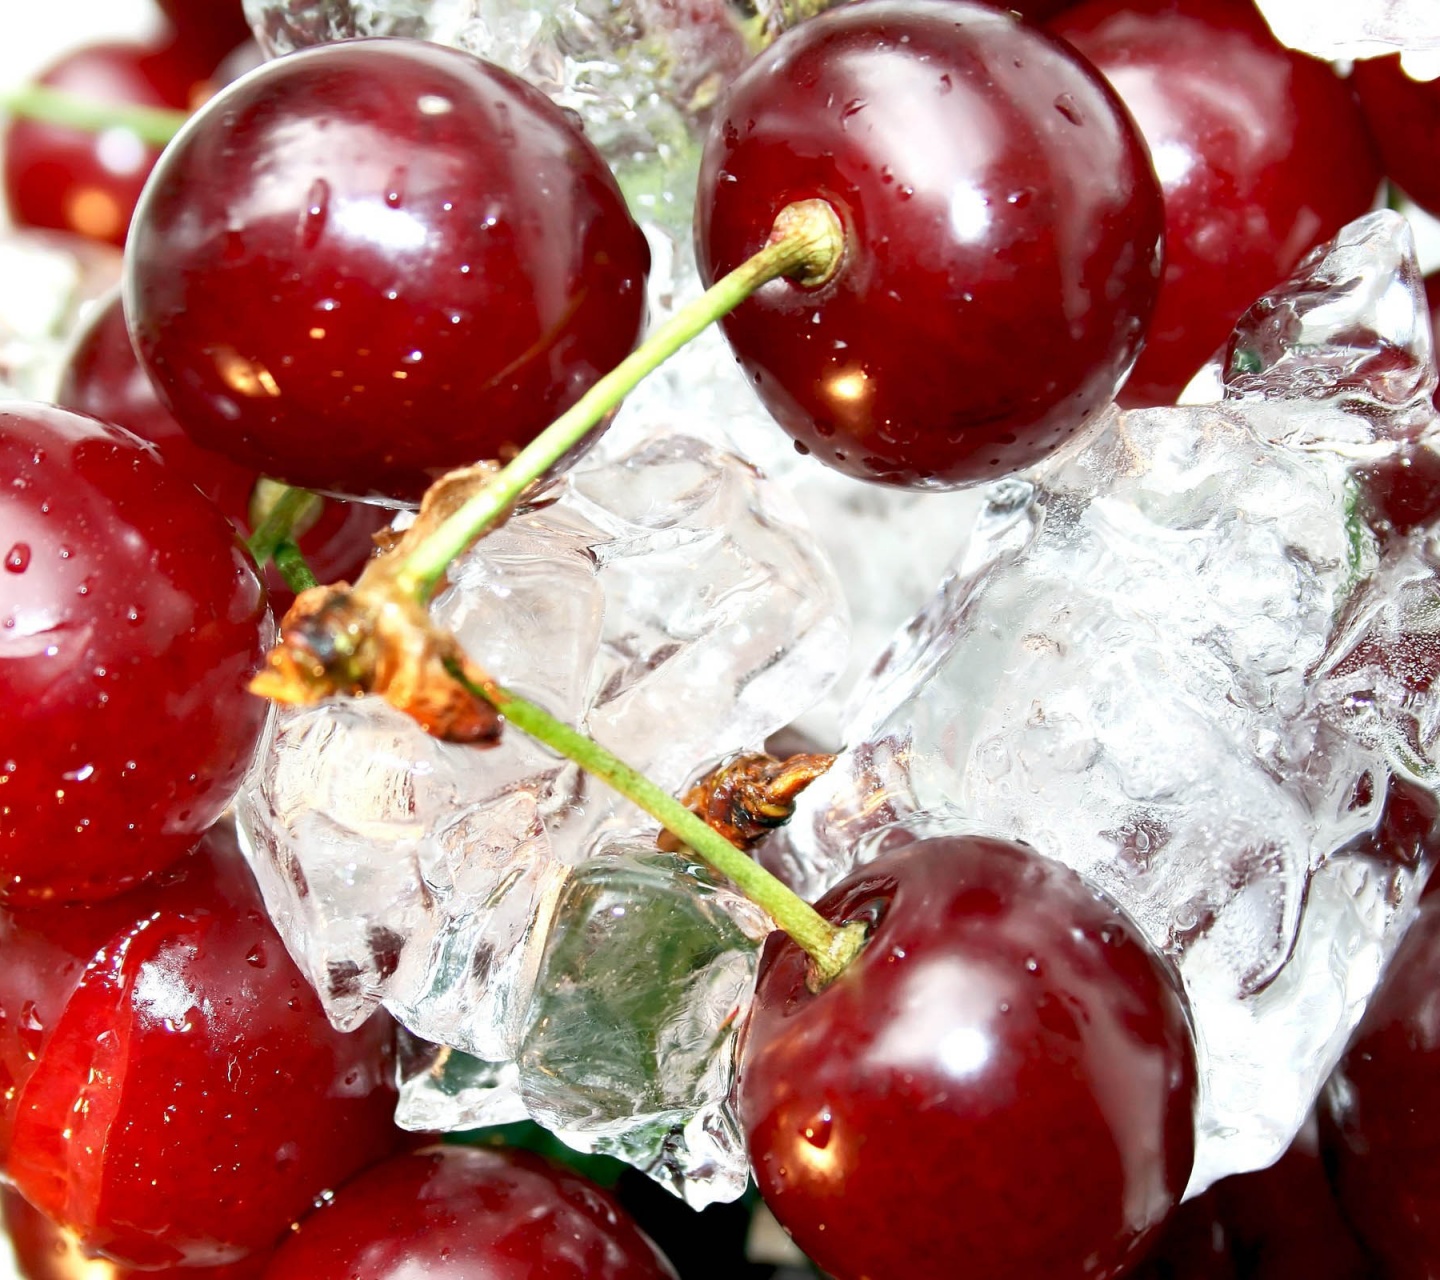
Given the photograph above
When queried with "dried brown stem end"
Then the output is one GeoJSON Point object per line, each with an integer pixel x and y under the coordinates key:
{"type": "Point", "coordinates": [749, 795]}
{"type": "Point", "coordinates": [374, 638]}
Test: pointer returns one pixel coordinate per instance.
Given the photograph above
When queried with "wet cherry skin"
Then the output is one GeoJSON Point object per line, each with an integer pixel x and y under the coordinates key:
{"type": "Point", "coordinates": [85, 181]}
{"type": "Point", "coordinates": [103, 378]}
{"type": "Point", "coordinates": [372, 261]}
{"type": "Point", "coordinates": [131, 620]}
{"type": "Point", "coordinates": [174, 1092]}
{"type": "Point", "coordinates": [209, 28]}
{"type": "Point", "coordinates": [1404, 115]}
{"type": "Point", "coordinates": [1005, 1075]}
{"type": "Point", "coordinates": [1003, 228]}
{"type": "Point", "coordinates": [469, 1213]}
{"type": "Point", "coordinates": [1380, 1113]}
{"type": "Point", "coordinates": [44, 1251]}
{"type": "Point", "coordinates": [1262, 154]}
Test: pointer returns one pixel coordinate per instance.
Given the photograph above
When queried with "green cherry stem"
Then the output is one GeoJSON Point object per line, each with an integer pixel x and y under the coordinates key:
{"type": "Point", "coordinates": [293, 566]}
{"type": "Point", "coordinates": [279, 521]}
{"type": "Point", "coordinates": [830, 948]}
{"type": "Point", "coordinates": [155, 125]}
{"type": "Point", "coordinates": [806, 243]}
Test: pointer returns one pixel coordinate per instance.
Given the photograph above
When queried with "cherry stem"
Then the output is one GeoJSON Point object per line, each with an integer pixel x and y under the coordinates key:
{"type": "Point", "coordinates": [293, 566]}
{"type": "Point", "coordinates": [278, 524]}
{"type": "Point", "coordinates": [155, 125]}
{"type": "Point", "coordinates": [830, 948]}
{"type": "Point", "coordinates": [806, 243]}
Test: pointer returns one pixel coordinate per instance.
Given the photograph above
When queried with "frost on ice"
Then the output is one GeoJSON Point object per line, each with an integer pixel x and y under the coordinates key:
{"type": "Point", "coordinates": [1360, 29]}
{"type": "Point", "coordinates": [1193, 657]}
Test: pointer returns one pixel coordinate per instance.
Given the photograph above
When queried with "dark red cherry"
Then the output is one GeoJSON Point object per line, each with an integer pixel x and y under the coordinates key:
{"type": "Point", "coordinates": [1404, 116]}
{"type": "Point", "coordinates": [1380, 1114]}
{"type": "Point", "coordinates": [469, 1213]}
{"type": "Point", "coordinates": [1002, 251]}
{"type": "Point", "coordinates": [175, 1091]}
{"type": "Point", "coordinates": [44, 1251]}
{"type": "Point", "coordinates": [1195, 1245]}
{"type": "Point", "coordinates": [1004, 1076]}
{"type": "Point", "coordinates": [372, 261]}
{"type": "Point", "coordinates": [210, 29]}
{"type": "Point", "coordinates": [1261, 152]}
{"type": "Point", "coordinates": [104, 379]}
{"type": "Point", "coordinates": [131, 621]}
{"type": "Point", "coordinates": [87, 181]}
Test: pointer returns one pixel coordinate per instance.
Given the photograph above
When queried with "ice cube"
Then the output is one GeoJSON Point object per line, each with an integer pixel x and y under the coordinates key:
{"type": "Point", "coordinates": [1182, 661]}
{"type": "Point", "coordinates": [648, 971]}
{"type": "Point", "coordinates": [51, 280]}
{"type": "Point", "coordinates": [663, 597]}
{"type": "Point", "coordinates": [1358, 28]}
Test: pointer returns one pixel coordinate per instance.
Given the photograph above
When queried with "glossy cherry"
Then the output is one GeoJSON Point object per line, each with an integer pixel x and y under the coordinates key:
{"type": "Point", "coordinates": [209, 28]}
{"type": "Point", "coordinates": [87, 181]}
{"type": "Point", "coordinates": [1005, 1075]}
{"type": "Point", "coordinates": [1002, 253]}
{"type": "Point", "coordinates": [1380, 1115]}
{"type": "Point", "coordinates": [1262, 154]}
{"type": "Point", "coordinates": [173, 1091]}
{"type": "Point", "coordinates": [44, 1251]}
{"type": "Point", "coordinates": [103, 378]}
{"type": "Point", "coordinates": [372, 261]}
{"type": "Point", "coordinates": [131, 621]}
{"type": "Point", "coordinates": [469, 1213]}
{"type": "Point", "coordinates": [1404, 116]}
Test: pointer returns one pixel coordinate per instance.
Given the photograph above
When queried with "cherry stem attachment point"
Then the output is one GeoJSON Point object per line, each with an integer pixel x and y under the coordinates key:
{"type": "Point", "coordinates": [153, 125]}
{"type": "Point", "coordinates": [806, 243]}
{"type": "Point", "coordinates": [830, 949]}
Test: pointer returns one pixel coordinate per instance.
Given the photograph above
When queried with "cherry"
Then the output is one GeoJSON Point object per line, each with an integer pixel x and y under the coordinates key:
{"type": "Point", "coordinates": [1404, 116]}
{"type": "Point", "coordinates": [210, 29]}
{"type": "Point", "coordinates": [1380, 1114]}
{"type": "Point", "coordinates": [373, 261]}
{"type": "Point", "coordinates": [469, 1213]}
{"type": "Point", "coordinates": [1261, 152]}
{"type": "Point", "coordinates": [47, 1252]}
{"type": "Point", "coordinates": [1004, 1075]}
{"type": "Point", "coordinates": [131, 621]}
{"type": "Point", "coordinates": [1003, 238]}
{"type": "Point", "coordinates": [1195, 1245]}
{"type": "Point", "coordinates": [104, 379]}
{"type": "Point", "coordinates": [84, 181]}
{"type": "Point", "coordinates": [173, 1092]}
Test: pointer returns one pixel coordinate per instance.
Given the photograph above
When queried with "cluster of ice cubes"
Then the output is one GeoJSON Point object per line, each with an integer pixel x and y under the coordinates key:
{"type": "Point", "coordinates": [642, 76]}
{"type": "Point", "coordinates": [1192, 659]}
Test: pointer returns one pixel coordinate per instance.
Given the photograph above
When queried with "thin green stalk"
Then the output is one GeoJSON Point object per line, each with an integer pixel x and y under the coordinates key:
{"type": "Point", "coordinates": [155, 125]}
{"type": "Point", "coordinates": [807, 242]}
{"type": "Point", "coordinates": [294, 568]}
{"type": "Point", "coordinates": [830, 948]}
{"type": "Point", "coordinates": [278, 523]}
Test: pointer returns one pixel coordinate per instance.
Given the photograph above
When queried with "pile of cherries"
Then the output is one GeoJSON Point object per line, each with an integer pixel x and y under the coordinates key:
{"type": "Point", "coordinates": [369, 263]}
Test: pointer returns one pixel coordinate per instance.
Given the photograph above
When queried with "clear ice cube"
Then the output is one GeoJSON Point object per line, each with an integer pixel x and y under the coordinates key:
{"type": "Point", "coordinates": [1357, 28]}
{"type": "Point", "coordinates": [647, 974]}
{"type": "Point", "coordinates": [1178, 658]}
{"type": "Point", "coordinates": [641, 74]}
{"type": "Point", "coordinates": [51, 281]}
{"type": "Point", "coordinates": [663, 597]}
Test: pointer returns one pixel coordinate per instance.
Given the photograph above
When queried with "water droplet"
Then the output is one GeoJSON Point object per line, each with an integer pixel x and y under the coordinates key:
{"type": "Point", "coordinates": [1065, 105]}
{"type": "Point", "coordinates": [818, 1131]}
{"type": "Point", "coordinates": [30, 1030]}
{"type": "Point", "coordinates": [18, 559]}
{"type": "Point", "coordinates": [256, 955]}
{"type": "Point", "coordinates": [853, 107]}
{"type": "Point", "coordinates": [317, 212]}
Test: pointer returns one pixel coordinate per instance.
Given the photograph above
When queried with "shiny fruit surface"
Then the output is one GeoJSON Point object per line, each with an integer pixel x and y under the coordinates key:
{"type": "Point", "coordinates": [88, 181]}
{"type": "Point", "coordinates": [1005, 1075]}
{"type": "Point", "coordinates": [1003, 234]}
{"type": "Point", "coordinates": [373, 261]}
{"type": "Point", "coordinates": [131, 620]}
{"type": "Point", "coordinates": [174, 1092]}
{"type": "Point", "coordinates": [1261, 152]}
{"type": "Point", "coordinates": [469, 1213]}
{"type": "Point", "coordinates": [1404, 117]}
{"type": "Point", "coordinates": [103, 378]}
